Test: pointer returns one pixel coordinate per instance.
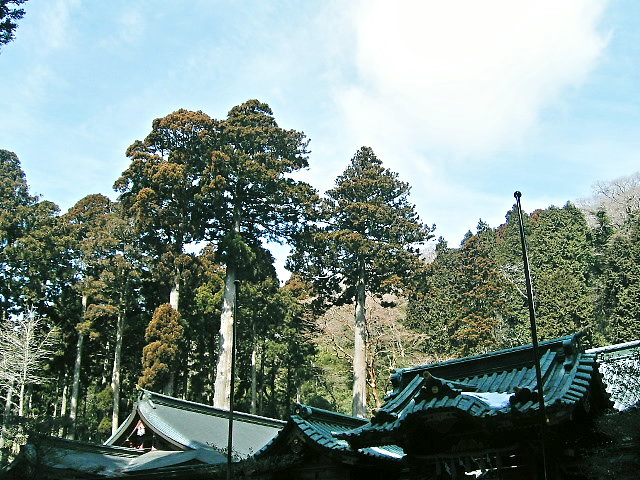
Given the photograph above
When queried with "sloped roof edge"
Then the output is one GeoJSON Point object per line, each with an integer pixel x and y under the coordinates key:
{"type": "Point", "coordinates": [320, 429]}
{"type": "Point", "coordinates": [153, 397]}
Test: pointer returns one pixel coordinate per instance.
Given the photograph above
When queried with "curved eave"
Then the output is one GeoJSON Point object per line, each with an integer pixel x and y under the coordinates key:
{"type": "Point", "coordinates": [319, 437]}
{"type": "Point", "coordinates": [124, 427]}
{"type": "Point", "coordinates": [568, 385]}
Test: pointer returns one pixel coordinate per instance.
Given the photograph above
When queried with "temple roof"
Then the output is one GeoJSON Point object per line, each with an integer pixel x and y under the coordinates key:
{"type": "Point", "coordinates": [189, 425]}
{"type": "Point", "coordinates": [620, 368]}
{"type": "Point", "coordinates": [494, 390]}
{"type": "Point", "coordinates": [56, 458]}
{"type": "Point", "coordinates": [317, 428]}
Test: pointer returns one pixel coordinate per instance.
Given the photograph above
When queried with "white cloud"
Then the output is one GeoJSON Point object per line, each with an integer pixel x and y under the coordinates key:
{"type": "Point", "coordinates": [464, 77]}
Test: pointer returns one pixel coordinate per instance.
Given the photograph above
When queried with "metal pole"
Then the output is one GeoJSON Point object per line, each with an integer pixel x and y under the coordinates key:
{"type": "Point", "coordinates": [534, 334]}
{"type": "Point", "coordinates": [236, 285]}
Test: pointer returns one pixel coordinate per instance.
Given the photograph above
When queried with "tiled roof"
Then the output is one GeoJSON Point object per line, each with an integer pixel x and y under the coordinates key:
{"type": "Point", "coordinates": [620, 368]}
{"type": "Point", "coordinates": [190, 425]}
{"type": "Point", "coordinates": [498, 389]}
{"type": "Point", "coordinates": [320, 428]}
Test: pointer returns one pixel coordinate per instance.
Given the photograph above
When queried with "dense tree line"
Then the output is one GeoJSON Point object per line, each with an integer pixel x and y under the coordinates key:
{"type": "Point", "coordinates": [139, 292]}
{"type": "Point", "coordinates": [585, 276]}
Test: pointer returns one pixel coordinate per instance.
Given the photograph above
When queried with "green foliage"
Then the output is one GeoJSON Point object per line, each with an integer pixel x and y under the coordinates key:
{"type": "Point", "coordinates": [8, 17]}
{"type": "Point", "coordinates": [246, 187]}
{"type": "Point", "coordinates": [366, 243]}
{"type": "Point", "coordinates": [473, 298]}
{"type": "Point", "coordinates": [161, 186]}
{"type": "Point", "coordinates": [562, 263]}
{"type": "Point", "coordinates": [619, 300]}
{"type": "Point", "coordinates": [164, 336]}
{"type": "Point", "coordinates": [34, 262]}
{"type": "Point", "coordinates": [369, 226]}
{"type": "Point", "coordinates": [94, 425]}
{"type": "Point", "coordinates": [228, 181]}
{"type": "Point", "coordinates": [482, 302]}
{"type": "Point", "coordinates": [435, 305]}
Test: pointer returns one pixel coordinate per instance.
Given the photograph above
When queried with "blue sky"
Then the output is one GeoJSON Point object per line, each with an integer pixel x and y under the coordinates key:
{"type": "Point", "coordinates": [468, 101]}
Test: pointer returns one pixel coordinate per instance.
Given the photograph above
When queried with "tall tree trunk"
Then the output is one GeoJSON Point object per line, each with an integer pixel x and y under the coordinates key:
{"type": "Point", "coordinates": [25, 360]}
{"type": "Point", "coordinates": [359, 403]}
{"type": "Point", "coordinates": [7, 403]}
{"type": "Point", "coordinates": [63, 403]}
{"type": "Point", "coordinates": [75, 388]}
{"type": "Point", "coordinates": [225, 342]}
{"type": "Point", "coordinates": [169, 385]}
{"type": "Point", "coordinates": [261, 391]}
{"type": "Point", "coordinates": [373, 384]}
{"type": "Point", "coordinates": [254, 378]}
{"type": "Point", "coordinates": [29, 398]}
{"type": "Point", "coordinates": [117, 362]}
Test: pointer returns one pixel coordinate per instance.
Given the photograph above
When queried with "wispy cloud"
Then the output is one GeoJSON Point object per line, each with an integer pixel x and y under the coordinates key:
{"type": "Point", "coordinates": [55, 26]}
{"type": "Point", "coordinates": [129, 28]}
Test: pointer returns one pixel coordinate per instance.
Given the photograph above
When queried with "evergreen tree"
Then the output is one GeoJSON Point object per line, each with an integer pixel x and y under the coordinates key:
{"type": "Point", "coordinates": [366, 245]}
{"type": "Point", "coordinates": [434, 305]}
{"type": "Point", "coordinates": [161, 189]}
{"type": "Point", "coordinates": [619, 299]}
{"type": "Point", "coordinates": [164, 335]}
{"type": "Point", "coordinates": [34, 265]}
{"type": "Point", "coordinates": [561, 254]}
{"type": "Point", "coordinates": [251, 197]}
{"type": "Point", "coordinates": [482, 299]}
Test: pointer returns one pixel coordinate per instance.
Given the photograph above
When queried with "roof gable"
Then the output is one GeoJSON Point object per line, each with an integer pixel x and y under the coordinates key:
{"type": "Point", "coordinates": [190, 425]}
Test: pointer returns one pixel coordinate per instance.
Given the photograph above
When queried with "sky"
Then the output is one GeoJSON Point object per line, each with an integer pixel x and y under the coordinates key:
{"type": "Point", "coordinates": [467, 101]}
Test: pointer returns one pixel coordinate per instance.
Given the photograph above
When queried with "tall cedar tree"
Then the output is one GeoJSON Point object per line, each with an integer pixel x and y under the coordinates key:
{"type": "Point", "coordinates": [161, 190]}
{"type": "Point", "coordinates": [106, 249]}
{"type": "Point", "coordinates": [194, 178]}
{"type": "Point", "coordinates": [250, 197]}
{"type": "Point", "coordinates": [15, 203]}
{"type": "Point", "coordinates": [82, 219]}
{"type": "Point", "coordinates": [34, 265]}
{"type": "Point", "coordinates": [367, 244]}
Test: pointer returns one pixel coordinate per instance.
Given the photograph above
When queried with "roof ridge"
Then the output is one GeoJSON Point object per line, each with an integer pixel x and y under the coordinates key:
{"type": "Point", "coordinates": [168, 400]}
{"type": "Point", "coordinates": [545, 344]}
{"type": "Point", "coordinates": [307, 412]}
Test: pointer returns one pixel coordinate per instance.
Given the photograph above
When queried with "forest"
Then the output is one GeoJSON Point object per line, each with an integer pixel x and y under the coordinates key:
{"type": "Point", "coordinates": [140, 291]}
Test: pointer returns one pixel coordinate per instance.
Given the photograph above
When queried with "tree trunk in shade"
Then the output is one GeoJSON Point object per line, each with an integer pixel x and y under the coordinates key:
{"type": "Point", "coordinates": [225, 343]}
{"type": "Point", "coordinates": [63, 403]}
{"type": "Point", "coordinates": [359, 403]}
{"type": "Point", "coordinates": [254, 378]}
{"type": "Point", "coordinates": [115, 376]}
{"type": "Point", "coordinates": [75, 386]}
